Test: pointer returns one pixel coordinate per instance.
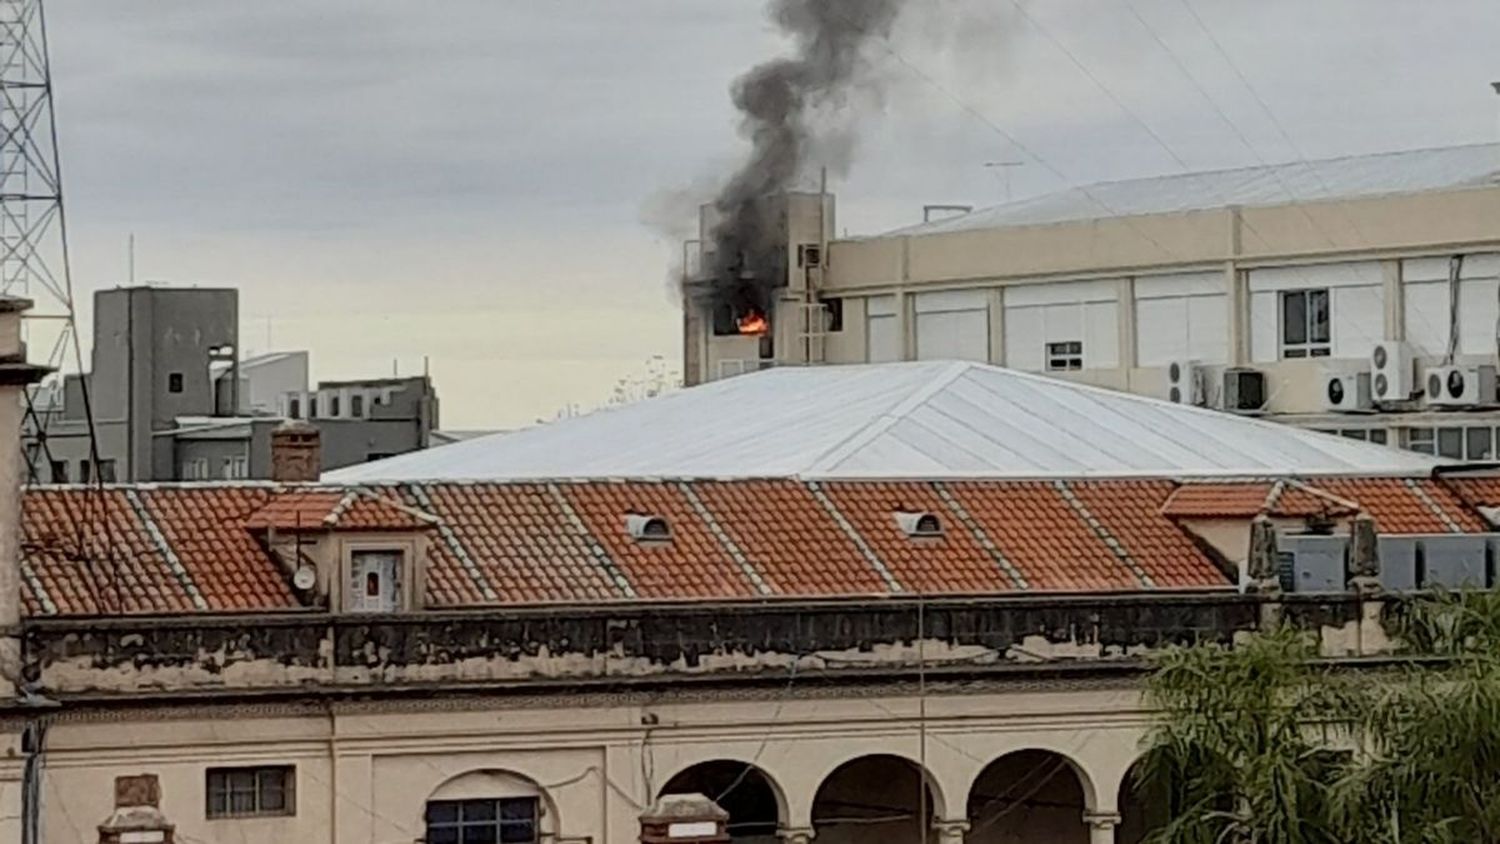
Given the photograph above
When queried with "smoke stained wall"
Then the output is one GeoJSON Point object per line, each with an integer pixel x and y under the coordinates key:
{"type": "Point", "coordinates": [790, 107]}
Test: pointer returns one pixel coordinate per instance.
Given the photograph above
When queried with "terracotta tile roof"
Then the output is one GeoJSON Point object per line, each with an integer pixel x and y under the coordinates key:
{"type": "Point", "coordinates": [1043, 535]}
{"type": "Point", "coordinates": [206, 530]}
{"type": "Point", "coordinates": [1246, 499]}
{"type": "Point", "coordinates": [792, 542]}
{"type": "Point", "coordinates": [518, 538]}
{"type": "Point", "coordinates": [202, 548]}
{"type": "Point", "coordinates": [1156, 546]}
{"type": "Point", "coordinates": [336, 509]}
{"type": "Point", "coordinates": [1408, 505]}
{"type": "Point", "coordinates": [694, 563]}
{"type": "Point", "coordinates": [953, 562]}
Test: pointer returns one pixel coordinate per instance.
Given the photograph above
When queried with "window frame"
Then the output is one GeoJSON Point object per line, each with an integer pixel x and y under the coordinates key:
{"type": "Point", "coordinates": [224, 809]}
{"type": "Point", "coordinates": [1063, 355]}
{"type": "Point", "coordinates": [496, 820]}
{"type": "Point", "coordinates": [1310, 346]}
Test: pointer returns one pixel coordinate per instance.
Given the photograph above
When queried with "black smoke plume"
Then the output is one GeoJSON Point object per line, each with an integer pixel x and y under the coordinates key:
{"type": "Point", "coordinates": [789, 106]}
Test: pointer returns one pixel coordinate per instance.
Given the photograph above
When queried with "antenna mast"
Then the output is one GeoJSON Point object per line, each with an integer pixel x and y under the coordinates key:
{"type": "Point", "coordinates": [33, 229]}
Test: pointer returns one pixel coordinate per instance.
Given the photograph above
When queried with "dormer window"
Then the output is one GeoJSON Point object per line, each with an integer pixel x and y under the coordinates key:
{"type": "Point", "coordinates": [375, 581]}
{"type": "Point", "coordinates": [915, 524]}
{"type": "Point", "coordinates": [647, 528]}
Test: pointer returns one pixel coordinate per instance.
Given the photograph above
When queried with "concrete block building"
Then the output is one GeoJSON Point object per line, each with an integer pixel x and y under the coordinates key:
{"type": "Point", "coordinates": [1357, 295]}
{"type": "Point", "coordinates": [172, 399]}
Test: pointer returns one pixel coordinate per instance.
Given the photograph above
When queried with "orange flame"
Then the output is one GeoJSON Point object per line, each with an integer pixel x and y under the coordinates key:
{"type": "Point", "coordinates": [754, 323]}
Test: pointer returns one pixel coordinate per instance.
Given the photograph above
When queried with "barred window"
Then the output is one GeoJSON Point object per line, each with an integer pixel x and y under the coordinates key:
{"type": "Point", "coordinates": [251, 792]}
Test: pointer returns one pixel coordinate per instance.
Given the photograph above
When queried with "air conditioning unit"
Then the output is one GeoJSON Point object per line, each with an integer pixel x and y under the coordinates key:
{"type": "Point", "coordinates": [1461, 386]}
{"type": "Point", "coordinates": [1346, 392]}
{"type": "Point", "coordinates": [1244, 389]}
{"type": "Point", "coordinates": [1392, 374]}
{"type": "Point", "coordinates": [1185, 383]}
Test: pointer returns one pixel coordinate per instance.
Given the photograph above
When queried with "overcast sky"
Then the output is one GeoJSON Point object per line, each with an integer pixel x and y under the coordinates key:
{"type": "Point", "coordinates": [468, 179]}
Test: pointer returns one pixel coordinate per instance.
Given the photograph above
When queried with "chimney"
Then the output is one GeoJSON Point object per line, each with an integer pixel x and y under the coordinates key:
{"type": "Point", "coordinates": [296, 453]}
{"type": "Point", "coordinates": [137, 818]}
{"type": "Point", "coordinates": [16, 375]}
{"type": "Point", "coordinates": [685, 819]}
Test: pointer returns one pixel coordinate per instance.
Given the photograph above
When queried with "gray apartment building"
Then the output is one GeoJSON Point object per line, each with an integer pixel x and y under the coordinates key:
{"type": "Point", "coordinates": [172, 399]}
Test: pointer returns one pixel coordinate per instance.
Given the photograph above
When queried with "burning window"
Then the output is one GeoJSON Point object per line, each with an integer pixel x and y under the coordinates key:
{"type": "Point", "coordinates": [731, 321]}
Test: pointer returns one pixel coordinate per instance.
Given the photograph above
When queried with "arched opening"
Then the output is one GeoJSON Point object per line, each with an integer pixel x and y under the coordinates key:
{"type": "Point", "coordinates": [1144, 806]}
{"type": "Point", "coordinates": [489, 805]}
{"type": "Point", "coordinates": [1028, 797]}
{"type": "Point", "coordinates": [875, 799]}
{"type": "Point", "coordinates": [742, 790]}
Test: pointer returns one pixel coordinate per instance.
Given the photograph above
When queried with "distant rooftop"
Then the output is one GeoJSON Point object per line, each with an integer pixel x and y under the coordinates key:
{"type": "Point", "coordinates": [1413, 171]}
{"type": "Point", "coordinates": [933, 419]}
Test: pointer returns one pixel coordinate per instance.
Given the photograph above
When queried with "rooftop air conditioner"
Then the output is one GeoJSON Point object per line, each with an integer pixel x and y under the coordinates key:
{"type": "Point", "coordinates": [1346, 392]}
{"type": "Point", "coordinates": [1391, 372]}
{"type": "Point", "coordinates": [1461, 386]}
{"type": "Point", "coordinates": [1244, 389]}
{"type": "Point", "coordinates": [1185, 383]}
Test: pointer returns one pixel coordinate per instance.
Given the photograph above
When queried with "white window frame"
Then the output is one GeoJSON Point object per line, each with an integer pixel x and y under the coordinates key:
{"type": "Point", "coordinates": [1063, 355]}
{"type": "Point", "coordinates": [1307, 347]}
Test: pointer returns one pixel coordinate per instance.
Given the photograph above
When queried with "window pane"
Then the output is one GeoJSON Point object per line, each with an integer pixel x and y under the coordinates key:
{"type": "Point", "coordinates": [442, 811]}
{"type": "Point", "coordinates": [518, 832]}
{"type": "Point", "coordinates": [1321, 352]}
{"type": "Point", "coordinates": [1294, 317]}
{"type": "Point", "coordinates": [1318, 316]}
{"type": "Point", "coordinates": [486, 834]}
{"type": "Point", "coordinates": [1451, 443]}
{"type": "Point", "coordinates": [518, 810]}
{"type": "Point", "coordinates": [442, 835]}
{"type": "Point", "coordinates": [1481, 442]}
{"type": "Point", "coordinates": [1294, 353]}
{"type": "Point", "coordinates": [272, 799]}
{"type": "Point", "coordinates": [1378, 436]}
{"type": "Point", "coordinates": [478, 810]}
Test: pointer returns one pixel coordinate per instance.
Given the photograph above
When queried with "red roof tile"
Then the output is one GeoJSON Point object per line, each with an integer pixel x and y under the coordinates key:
{"type": "Point", "coordinates": [519, 539]}
{"type": "Point", "coordinates": [330, 509]}
{"type": "Point", "coordinates": [1246, 499]}
{"type": "Point", "coordinates": [790, 540]}
{"type": "Point", "coordinates": [1407, 505]}
{"type": "Point", "coordinates": [692, 564]}
{"type": "Point", "coordinates": [1130, 512]}
{"type": "Point", "coordinates": [205, 528]}
{"type": "Point", "coordinates": [1044, 536]}
{"type": "Point", "coordinates": [953, 562]}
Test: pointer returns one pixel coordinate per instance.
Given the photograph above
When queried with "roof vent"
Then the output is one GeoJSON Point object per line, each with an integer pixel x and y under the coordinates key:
{"type": "Point", "coordinates": [919, 524]}
{"type": "Point", "coordinates": [647, 528]}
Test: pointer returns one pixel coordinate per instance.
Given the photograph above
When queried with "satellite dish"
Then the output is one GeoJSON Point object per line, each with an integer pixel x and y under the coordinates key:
{"type": "Point", "coordinates": [305, 578]}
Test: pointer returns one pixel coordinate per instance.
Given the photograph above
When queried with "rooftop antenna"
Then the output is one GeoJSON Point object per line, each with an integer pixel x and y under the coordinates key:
{"type": "Point", "coordinates": [33, 228]}
{"type": "Point", "coordinates": [1004, 167]}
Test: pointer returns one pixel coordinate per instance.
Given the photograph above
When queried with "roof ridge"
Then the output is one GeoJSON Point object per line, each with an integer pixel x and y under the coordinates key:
{"type": "Point", "coordinates": [840, 451]}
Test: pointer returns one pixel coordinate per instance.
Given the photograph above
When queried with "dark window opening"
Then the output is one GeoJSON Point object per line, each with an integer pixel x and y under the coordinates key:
{"type": "Point", "coordinates": [59, 471]}
{"type": "Point", "coordinates": [834, 308]}
{"type": "Point", "coordinates": [502, 821]}
{"type": "Point", "coordinates": [372, 585]}
{"type": "Point", "coordinates": [251, 792]}
{"type": "Point", "coordinates": [106, 471]}
{"type": "Point", "coordinates": [312, 408]}
{"type": "Point", "coordinates": [1306, 321]}
{"type": "Point", "coordinates": [1065, 356]}
{"type": "Point", "coordinates": [294, 408]}
{"type": "Point", "coordinates": [333, 406]}
{"type": "Point", "coordinates": [174, 382]}
{"type": "Point", "coordinates": [357, 406]}
{"type": "Point", "coordinates": [725, 324]}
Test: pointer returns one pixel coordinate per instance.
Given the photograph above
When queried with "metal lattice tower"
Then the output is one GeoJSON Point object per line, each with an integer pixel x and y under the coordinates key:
{"type": "Point", "coordinates": [33, 229]}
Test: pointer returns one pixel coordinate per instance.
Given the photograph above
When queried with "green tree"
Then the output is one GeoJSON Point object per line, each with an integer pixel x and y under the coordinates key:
{"type": "Point", "coordinates": [1240, 748]}
{"type": "Point", "coordinates": [1266, 743]}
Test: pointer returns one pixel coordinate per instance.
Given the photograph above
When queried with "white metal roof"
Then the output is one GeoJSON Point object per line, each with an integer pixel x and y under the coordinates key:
{"type": "Point", "coordinates": [1412, 171]}
{"type": "Point", "coordinates": [899, 420]}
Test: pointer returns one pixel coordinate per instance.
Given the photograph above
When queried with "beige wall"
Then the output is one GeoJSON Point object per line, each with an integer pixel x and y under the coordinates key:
{"type": "Point", "coordinates": [1229, 241]}
{"type": "Point", "coordinates": [363, 777]}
